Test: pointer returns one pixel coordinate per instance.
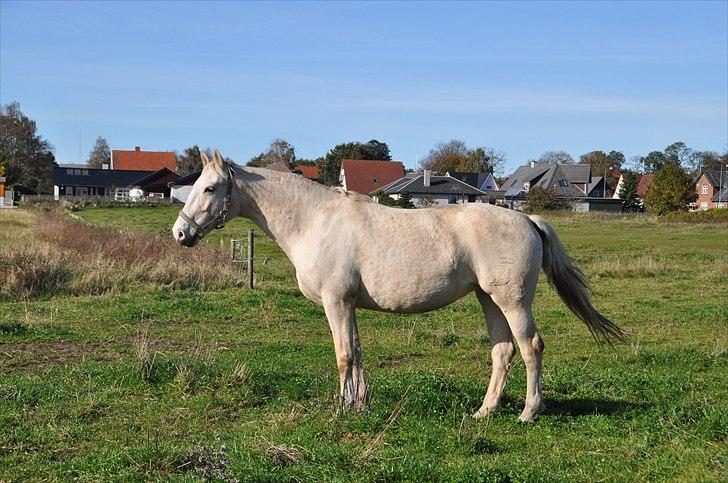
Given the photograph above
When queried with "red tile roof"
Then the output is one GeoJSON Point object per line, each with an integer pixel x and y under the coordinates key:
{"type": "Point", "coordinates": [310, 172]}
{"type": "Point", "coordinates": [364, 176]}
{"type": "Point", "coordinates": [142, 160]}
{"type": "Point", "coordinates": [644, 185]}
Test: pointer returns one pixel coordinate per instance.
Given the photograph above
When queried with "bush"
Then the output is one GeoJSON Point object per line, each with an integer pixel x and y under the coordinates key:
{"type": "Point", "coordinates": [672, 189]}
{"type": "Point", "coordinates": [540, 199]}
{"type": "Point", "coordinates": [708, 216]}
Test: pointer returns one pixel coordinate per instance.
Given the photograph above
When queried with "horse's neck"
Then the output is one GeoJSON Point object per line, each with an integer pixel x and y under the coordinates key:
{"type": "Point", "coordinates": [281, 204]}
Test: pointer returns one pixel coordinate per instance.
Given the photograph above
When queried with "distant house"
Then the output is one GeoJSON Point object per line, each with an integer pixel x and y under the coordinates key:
{"type": "Point", "coordinates": [97, 183]}
{"type": "Point", "coordinates": [180, 189]}
{"type": "Point", "coordinates": [546, 176]}
{"type": "Point", "coordinates": [426, 189]}
{"type": "Point", "coordinates": [365, 176]}
{"type": "Point", "coordinates": [481, 181]}
{"type": "Point", "coordinates": [644, 186]}
{"type": "Point", "coordinates": [712, 190]}
{"type": "Point", "coordinates": [6, 200]}
{"type": "Point", "coordinates": [307, 171]}
{"type": "Point", "coordinates": [138, 160]}
{"type": "Point", "coordinates": [572, 183]}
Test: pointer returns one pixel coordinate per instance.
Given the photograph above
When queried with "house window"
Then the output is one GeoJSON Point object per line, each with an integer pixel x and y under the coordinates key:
{"type": "Point", "coordinates": [526, 185]}
{"type": "Point", "coordinates": [69, 171]}
{"type": "Point", "coordinates": [720, 205]}
{"type": "Point", "coordinates": [704, 190]}
{"type": "Point", "coordinates": [77, 172]}
{"type": "Point", "coordinates": [703, 205]}
{"type": "Point", "coordinates": [375, 179]}
{"type": "Point", "coordinates": [84, 172]}
{"type": "Point", "coordinates": [452, 199]}
{"type": "Point", "coordinates": [563, 183]}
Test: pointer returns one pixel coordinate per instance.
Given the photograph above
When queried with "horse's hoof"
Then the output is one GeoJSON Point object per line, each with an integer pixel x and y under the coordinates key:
{"type": "Point", "coordinates": [483, 412]}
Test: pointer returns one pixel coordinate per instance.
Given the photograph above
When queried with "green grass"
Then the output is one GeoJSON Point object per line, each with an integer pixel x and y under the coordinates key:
{"type": "Point", "coordinates": [231, 375]}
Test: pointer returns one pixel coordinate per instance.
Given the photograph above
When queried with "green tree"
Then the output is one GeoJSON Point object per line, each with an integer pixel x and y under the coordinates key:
{"type": "Point", "coordinates": [601, 161]}
{"type": "Point", "coordinates": [384, 199]}
{"type": "Point", "coordinates": [100, 154]}
{"type": "Point", "coordinates": [190, 160]}
{"type": "Point", "coordinates": [279, 151]}
{"type": "Point", "coordinates": [455, 155]}
{"type": "Point", "coordinates": [628, 192]}
{"type": "Point", "coordinates": [426, 201]}
{"type": "Point", "coordinates": [27, 157]}
{"type": "Point", "coordinates": [404, 201]}
{"type": "Point", "coordinates": [672, 189]}
{"type": "Point", "coordinates": [539, 199]}
{"type": "Point", "coordinates": [330, 165]}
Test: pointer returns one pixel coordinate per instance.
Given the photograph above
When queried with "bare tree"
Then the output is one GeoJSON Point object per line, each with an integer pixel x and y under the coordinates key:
{"type": "Point", "coordinates": [555, 157]}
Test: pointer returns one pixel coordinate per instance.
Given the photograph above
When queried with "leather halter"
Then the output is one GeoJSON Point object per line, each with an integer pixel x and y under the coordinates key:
{"type": "Point", "coordinates": [219, 220]}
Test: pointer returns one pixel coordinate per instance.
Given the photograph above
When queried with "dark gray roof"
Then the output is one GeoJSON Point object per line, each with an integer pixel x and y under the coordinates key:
{"type": "Point", "coordinates": [594, 184]}
{"type": "Point", "coordinates": [721, 195]}
{"type": "Point", "coordinates": [186, 180]}
{"type": "Point", "coordinates": [438, 185]}
{"type": "Point", "coordinates": [714, 178]}
{"type": "Point", "coordinates": [544, 176]}
{"type": "Point", "coordinates": [476, 180]}
{"type": "Point", "coordinates": [576, 173]}
{"type": "Point", "coordinates": [106, 178]}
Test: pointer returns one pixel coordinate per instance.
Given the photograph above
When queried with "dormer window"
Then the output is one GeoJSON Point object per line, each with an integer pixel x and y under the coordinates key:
{"type": "Point", "coordinates": [526, 186]}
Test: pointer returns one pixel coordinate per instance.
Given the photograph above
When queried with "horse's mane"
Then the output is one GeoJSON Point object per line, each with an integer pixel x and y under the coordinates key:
{"type": "Point", "coordinates": [352, 195]}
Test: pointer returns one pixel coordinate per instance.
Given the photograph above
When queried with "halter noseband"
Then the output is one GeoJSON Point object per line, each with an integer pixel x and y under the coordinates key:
{"type": "Point", "coordinates": [219, 220]}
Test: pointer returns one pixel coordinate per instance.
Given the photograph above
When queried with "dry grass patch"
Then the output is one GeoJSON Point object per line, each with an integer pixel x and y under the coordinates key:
{"type": "Point", "coordinates": [75, 258]}
{"type": "Point", "coordinates": [619, 268]}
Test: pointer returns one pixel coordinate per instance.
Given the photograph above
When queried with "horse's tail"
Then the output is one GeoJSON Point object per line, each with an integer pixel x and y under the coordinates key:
{"type": "Point", "coordinates": [571, 284]}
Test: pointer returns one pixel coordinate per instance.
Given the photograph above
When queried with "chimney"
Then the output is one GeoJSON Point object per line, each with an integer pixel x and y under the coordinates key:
{"type": "Point", "coordinates": [426, 179]}
{"type": "Point", "coordinates": [533, 164]}
{"type": "Point", "coordinates": [137, 148]}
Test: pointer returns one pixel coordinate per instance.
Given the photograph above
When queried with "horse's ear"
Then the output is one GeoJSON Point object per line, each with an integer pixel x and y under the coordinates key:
{"type": "Point", "coordinates": [205, 159]}
{"type": "Point", "coordinates": [217, 159]}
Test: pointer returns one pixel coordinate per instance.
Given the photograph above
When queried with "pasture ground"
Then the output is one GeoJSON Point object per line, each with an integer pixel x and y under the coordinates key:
{"type": "Point", "coordinates": [151, 381]}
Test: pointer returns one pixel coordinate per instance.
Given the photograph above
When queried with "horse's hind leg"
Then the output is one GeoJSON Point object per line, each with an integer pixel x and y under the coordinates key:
{"type": "Point", "coordinates": [502, 349]}
{"type": "Point", "coordinates": [520, 320]}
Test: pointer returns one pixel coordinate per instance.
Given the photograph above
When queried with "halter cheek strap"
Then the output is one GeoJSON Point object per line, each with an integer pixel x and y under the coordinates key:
{"type": "Point", "coordinates": [219, 220]}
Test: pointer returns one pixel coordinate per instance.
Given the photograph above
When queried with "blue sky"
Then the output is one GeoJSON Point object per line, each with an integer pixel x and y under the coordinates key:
{"type": "Point", "coordinates": [520, 77]}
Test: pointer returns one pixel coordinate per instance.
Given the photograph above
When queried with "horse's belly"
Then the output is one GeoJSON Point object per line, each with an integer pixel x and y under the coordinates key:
{"type": "Point", "coordinates": [416, 293]}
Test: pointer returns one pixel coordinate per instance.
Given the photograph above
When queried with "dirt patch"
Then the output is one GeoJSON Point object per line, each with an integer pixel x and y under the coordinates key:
{"type": "Point", "coordinates": [25, 357]}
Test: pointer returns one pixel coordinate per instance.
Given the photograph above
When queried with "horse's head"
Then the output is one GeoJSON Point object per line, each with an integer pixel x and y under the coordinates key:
{"type": "Point", "coordinates": [208, 204]}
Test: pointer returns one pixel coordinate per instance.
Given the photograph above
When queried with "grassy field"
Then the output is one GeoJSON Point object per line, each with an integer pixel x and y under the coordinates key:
{"type": "Point", "coordinates": [201, 378]}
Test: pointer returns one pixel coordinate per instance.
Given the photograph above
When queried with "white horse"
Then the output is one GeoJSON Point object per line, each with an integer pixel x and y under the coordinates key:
{"type": "Point", "coordinates": [350, 252]}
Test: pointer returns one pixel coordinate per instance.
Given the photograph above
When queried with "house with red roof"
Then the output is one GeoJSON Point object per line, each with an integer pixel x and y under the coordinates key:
{"type": "Point", "coordinates": [712, 190]}
{"type": "Point", "coordinates": [138, 160]}
{"type": "Point", "coordinates": [366, 176]}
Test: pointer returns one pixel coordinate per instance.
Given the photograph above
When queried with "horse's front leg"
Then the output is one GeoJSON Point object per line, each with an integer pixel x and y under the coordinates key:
{"type": "Point", "coordinates": [353, 384]}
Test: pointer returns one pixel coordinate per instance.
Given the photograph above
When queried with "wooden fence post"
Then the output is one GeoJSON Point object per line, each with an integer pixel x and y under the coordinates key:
{"type": "Point", "coordinates": [250, 258]}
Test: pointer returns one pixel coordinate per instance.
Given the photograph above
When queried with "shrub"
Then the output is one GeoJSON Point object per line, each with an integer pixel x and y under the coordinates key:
{"type": "Point", "coordinates": [708, 216]}
{"type": "Point", "coordinates": [672, 189]}
{"type": "Point", "coordinates": [543, 199]}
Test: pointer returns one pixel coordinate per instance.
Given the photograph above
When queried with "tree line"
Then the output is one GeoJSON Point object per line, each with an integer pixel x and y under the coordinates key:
{"type": "Point", "coordinates": [27, 159]}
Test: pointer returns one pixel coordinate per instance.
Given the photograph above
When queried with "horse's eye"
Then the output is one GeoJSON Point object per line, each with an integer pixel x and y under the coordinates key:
{"type": "Point", "coordinates": [209, 189]}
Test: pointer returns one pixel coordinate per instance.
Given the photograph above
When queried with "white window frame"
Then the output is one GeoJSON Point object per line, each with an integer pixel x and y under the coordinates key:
{"type": "Point", "coordinates": [703, 190]}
